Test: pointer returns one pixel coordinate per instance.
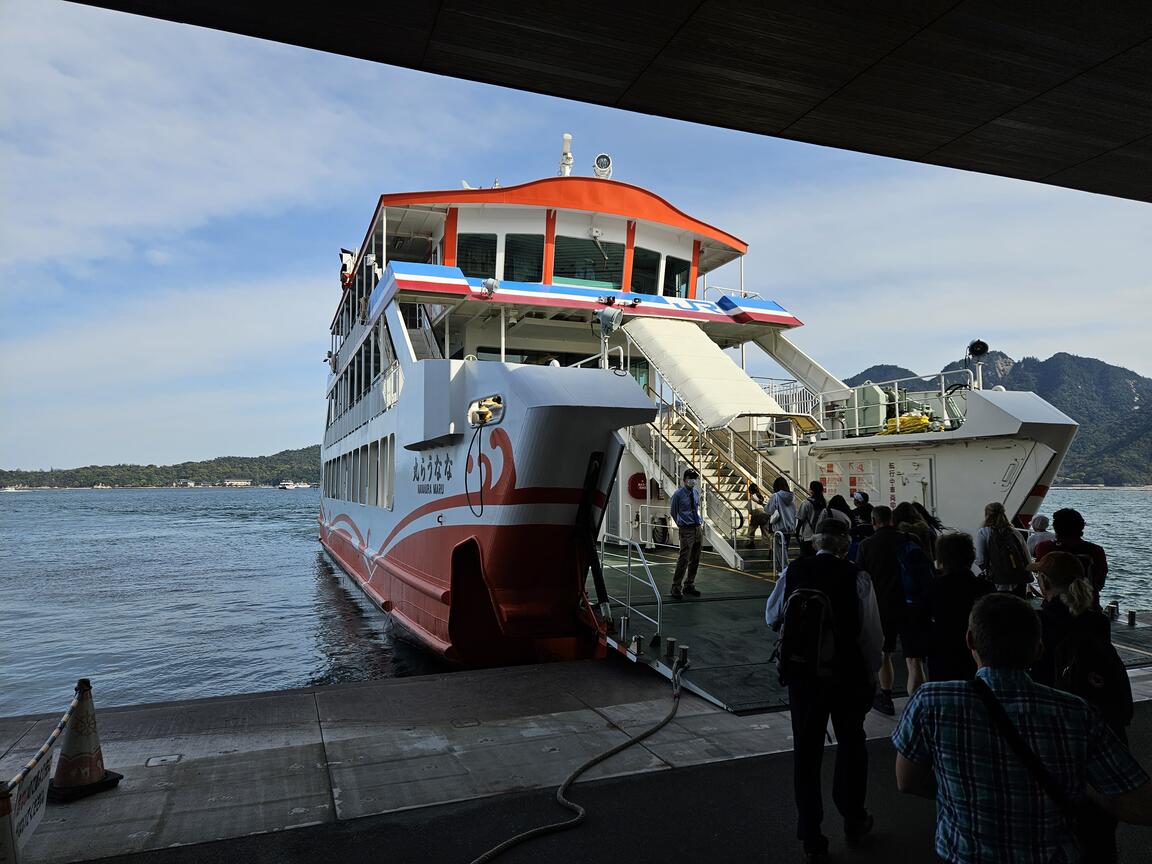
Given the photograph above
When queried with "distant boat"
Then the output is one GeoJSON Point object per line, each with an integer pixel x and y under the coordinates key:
{"type": "Point", "coordinates": [289, 484]}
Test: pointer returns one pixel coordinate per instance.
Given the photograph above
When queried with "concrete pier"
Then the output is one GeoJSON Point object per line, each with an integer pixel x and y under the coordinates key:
{"type": "Point", "coordinates": [458, 750]}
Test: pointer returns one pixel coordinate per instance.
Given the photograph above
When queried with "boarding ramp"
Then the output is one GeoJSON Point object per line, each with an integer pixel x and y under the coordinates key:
{"type": "Point", "coordinates": [706, 378]}
{"type": "Point", "coordinates": [729, 644]}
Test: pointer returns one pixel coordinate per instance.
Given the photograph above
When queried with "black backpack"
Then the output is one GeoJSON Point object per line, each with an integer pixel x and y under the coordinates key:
{"type": "Point", "coordinates": [1088, 666]}
{"type": "Point", "coordinates": [916, 573]}
{"type": "Point", "coordinates": [807, 644]}
{"type": "Point", "coordinates": [1007, 558]}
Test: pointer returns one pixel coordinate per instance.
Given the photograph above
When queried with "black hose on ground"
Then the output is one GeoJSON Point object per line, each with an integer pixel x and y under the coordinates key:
{"type": "Point", "coordinates": [567, 804]}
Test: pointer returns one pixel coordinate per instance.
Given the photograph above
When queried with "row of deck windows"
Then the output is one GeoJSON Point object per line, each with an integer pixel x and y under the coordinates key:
{"type": "Point", "coordinates": [580, 261]}
{"type": "Point", "coordinates": [375, 356]}
{"type": "Point", "coordinates": [364, 476]}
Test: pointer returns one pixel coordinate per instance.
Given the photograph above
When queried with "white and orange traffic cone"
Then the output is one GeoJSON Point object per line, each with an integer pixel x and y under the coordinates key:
{"type": "Point", "coordinates": [80, 770]}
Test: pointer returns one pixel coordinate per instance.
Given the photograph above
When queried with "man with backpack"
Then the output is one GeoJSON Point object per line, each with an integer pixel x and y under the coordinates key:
{"type": "Point", "coordinates": [1068, 525]}
{"type": "Point", "coordinates": [888, 558]}
{"type": "Point", "coordinates": [827, 654]}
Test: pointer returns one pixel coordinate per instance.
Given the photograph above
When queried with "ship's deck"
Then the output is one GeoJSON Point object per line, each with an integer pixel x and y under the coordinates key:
{"type": "Point", "coordinates": [730, 644]}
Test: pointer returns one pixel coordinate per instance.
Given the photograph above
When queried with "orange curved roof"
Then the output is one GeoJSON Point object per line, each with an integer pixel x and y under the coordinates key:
{"type": "Point", "coordinates": [577, 193]}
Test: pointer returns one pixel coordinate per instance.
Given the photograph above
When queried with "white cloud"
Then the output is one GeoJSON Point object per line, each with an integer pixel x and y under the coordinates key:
{"type": "Point", "coordinates": [163, 427]}
{"type": "Point", "coordinates": [120, 129]}
{"type": "Point", "coordinates": [170, 336]}
{"type": "Point", "coordinates": [181, 374]}
{"type": "Point", "coordinates": [908, 268]}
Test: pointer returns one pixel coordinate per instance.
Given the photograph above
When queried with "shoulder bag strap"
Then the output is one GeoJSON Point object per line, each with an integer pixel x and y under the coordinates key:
{"type": "Point", "coordinates": [1007, 728]}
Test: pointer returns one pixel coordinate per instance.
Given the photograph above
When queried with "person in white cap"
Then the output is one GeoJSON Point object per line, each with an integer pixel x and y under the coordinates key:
{"type": "Point", "coordinates": [1039, 534]}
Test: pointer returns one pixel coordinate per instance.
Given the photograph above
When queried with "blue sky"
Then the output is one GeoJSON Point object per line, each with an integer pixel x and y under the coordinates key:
{"type": "Point", "coordinates": [172, 201]}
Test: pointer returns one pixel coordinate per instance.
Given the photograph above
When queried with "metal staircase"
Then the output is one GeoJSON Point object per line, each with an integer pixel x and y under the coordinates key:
{"type": "Point", "coordinates": [418, 321]}
{"type": "Point", "coordinates": [725, 460]}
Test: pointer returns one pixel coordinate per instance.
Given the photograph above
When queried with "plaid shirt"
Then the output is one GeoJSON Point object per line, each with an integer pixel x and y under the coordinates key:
{"type": "Point", "coordinates": [989, 808]}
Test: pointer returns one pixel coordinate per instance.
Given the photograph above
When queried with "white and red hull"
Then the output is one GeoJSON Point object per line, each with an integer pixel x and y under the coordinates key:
{"type": "Point", "coordinates": [484, 552]}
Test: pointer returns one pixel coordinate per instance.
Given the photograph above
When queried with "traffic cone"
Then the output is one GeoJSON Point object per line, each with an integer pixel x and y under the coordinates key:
{"type": "Point", "coordinates": [80, 770]}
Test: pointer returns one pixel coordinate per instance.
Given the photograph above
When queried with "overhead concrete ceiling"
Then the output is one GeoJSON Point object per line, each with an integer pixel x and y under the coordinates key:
{"type": "Point", "coordinates": [1054, 91]}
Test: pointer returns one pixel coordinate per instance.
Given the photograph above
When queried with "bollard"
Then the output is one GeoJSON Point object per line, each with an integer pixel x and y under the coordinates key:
{"type": "Point", "coordinates": [683, 656]}
{"type": "Point", "coordinates": [637, 646]}
{"type": "Point", "coordinates": [1131, 617]}
{"type": "Point", "coordinates": [670, 649]}
{"type": "Point", "coordinates": [1114, 610]}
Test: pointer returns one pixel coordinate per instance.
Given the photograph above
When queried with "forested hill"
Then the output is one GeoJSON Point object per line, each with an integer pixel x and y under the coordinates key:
{"type": "Point", "coordinates": [298, 465]}
{"type": "Point", "coordinates": [1113, 406]}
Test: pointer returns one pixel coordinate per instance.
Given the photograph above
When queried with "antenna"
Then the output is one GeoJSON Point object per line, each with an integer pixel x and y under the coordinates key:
{"type": "Point", "coordinates": [566, 155]}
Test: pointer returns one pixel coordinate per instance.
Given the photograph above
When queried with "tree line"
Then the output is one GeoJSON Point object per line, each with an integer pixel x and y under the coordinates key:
{"type": "Point", "coordinates": [299, 465]}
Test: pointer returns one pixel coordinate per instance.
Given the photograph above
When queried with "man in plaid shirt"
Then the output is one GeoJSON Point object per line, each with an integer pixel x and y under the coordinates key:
{"type": "Point", "coordinates": [990, 807]}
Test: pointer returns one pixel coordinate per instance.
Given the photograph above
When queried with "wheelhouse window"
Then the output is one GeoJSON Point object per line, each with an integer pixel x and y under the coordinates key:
{"type": "Point", "coordinates": [476, 255]}
{"type": "Point", "coordinates": [589, 263]}
{"type": "Point", "coordinates": [645, 271]}
{"type": "Point", "coordinates": [524, 257]}
{"type": "Point", "coordinates": [676, 271]}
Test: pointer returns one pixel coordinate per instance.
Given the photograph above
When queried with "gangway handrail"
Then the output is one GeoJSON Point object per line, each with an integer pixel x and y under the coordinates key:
{"type": "Point", "coordinates": [779, 552]}
{"type": "Point", "coordinates": [649, 580]}
{"type": "Point", "coordinates": [735, 442]}
{"type": "Point", "coordinates": [693, 421]}
{"type": "Point", "coordinates": [710, 488]}
{"type": "Point", "coordinates": [701, 428]}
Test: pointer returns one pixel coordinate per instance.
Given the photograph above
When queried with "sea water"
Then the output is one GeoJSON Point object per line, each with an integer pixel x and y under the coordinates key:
{"type": "Point", "coordinates": [162, 594]}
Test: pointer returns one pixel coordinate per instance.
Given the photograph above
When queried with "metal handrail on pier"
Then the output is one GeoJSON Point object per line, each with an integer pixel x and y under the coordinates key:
{"type": "Point", "coordinates": [647, 580]}
{"type": "Point", "coordinates": [779, 553]}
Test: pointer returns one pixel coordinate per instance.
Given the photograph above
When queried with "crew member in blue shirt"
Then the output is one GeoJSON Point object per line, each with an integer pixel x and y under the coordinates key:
{"type": "Point", "coordinates": [685, 507]}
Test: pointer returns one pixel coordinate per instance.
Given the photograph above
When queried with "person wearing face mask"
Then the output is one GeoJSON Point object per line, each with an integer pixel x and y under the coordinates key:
{"type": "Point", "coordinates": [685, 509]}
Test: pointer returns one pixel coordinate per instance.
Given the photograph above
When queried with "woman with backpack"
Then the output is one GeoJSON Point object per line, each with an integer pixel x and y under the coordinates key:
{"type": "Point", "coordinates": [1078, 657]}
{"type": "Point", "coordinates": [811, 512]}
{"type": "Point", "coordinates": [757, 517]}
{"type": "Point", "coordinates": [1000, 552]}
{"type": "Point", "coordinates": [908, 519]}
{"type": "Point", "coordinates": [781, 510]}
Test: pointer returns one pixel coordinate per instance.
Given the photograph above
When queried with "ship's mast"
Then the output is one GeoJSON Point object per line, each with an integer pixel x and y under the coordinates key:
{"type": "Point", "coordinates": [566, 158]}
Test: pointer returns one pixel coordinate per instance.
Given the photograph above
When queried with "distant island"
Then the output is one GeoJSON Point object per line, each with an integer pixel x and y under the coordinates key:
{"type": "Point", "coordinates": [1113, 406]}
{"type": "Point", "coordinates": [301, 465]}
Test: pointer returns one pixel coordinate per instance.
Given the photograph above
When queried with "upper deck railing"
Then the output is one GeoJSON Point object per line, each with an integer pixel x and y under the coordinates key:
{"type": "Point", "coordinates": [919, 403]}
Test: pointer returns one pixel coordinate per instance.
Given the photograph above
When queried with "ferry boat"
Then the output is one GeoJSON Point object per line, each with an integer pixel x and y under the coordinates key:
{"type": "Point", "coordinates": [291, 484]}
{"type": "Point", "coordinates": [500, 356]}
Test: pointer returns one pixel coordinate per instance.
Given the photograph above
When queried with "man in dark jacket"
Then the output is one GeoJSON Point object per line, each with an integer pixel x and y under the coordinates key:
{"type": "Point", "coordinates": [1069, 527]}
{"type": "Point", "coordinates": [843, 694]}
{"type": "Point", "coordinates": [879, 556]}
